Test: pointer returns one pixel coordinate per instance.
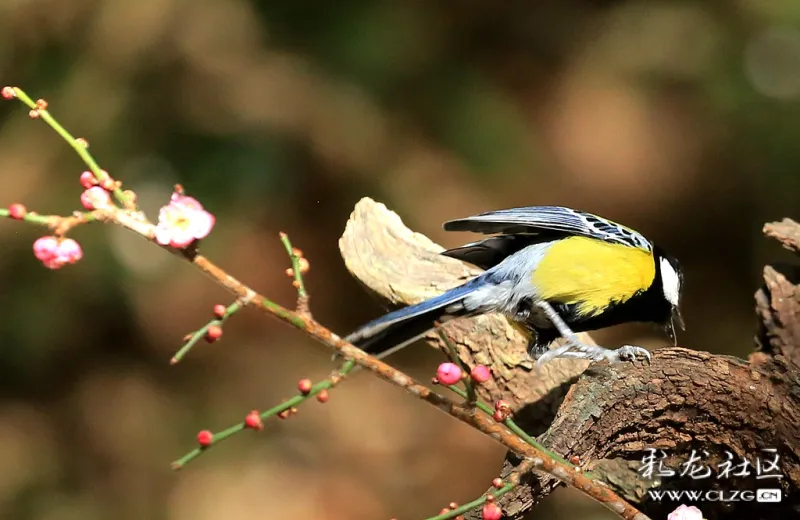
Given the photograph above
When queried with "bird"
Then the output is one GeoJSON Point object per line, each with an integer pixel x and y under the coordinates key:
{"type": "Point", "coordinates": [552, 271]}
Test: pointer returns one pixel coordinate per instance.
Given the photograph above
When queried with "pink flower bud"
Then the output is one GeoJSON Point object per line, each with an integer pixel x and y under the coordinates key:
{"type": "Point", "coordinates": [205, 438]}
{"type": "Point", "coordinates": [448, 374]}
{"type": "Point", "coordinates": [253, 420]}
{"type": "Point", "coordinates": [220, 310]}
{"type": "Point", "coordinates": [95, 198]}
{"type": "Point", "coordinates": [17, 211]}
{"type": "Point", "coordinates": [492, 511]}
{"type": "Point", "coordinates": [213, 333]}
{"type": "Point", "coordinates": [88, 180]}
{"type": "Point", "coordinates": [54, 253]}
{"type": "Point", "coordinates": [45, 248]}
{"type": "Point", "coordinates": [304, 385]}
{"type": "Point", "coordinates": [480, 374]}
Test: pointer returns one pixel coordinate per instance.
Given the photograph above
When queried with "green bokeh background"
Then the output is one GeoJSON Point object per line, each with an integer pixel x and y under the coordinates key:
{"type": "Point", "coordinates": [680, 119]}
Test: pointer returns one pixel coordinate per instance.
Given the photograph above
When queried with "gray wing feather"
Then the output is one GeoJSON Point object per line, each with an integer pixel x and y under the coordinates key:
{"type": "Point", "coordinates": [490, 251]}
{"type": "Point", "coordinates": [540, 219]}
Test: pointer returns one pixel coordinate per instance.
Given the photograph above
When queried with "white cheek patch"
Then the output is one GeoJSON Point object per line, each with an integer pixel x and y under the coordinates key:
{"type": "Point", "coordinates": [671, 282]}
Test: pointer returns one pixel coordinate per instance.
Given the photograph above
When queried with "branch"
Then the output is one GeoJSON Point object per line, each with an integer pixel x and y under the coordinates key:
{"type": "Point", "coordinates": [282, 410]}
{"type": "Point", "coordinates": [778, 301]}
{"type": "Point", "coordinates": [683, 400]}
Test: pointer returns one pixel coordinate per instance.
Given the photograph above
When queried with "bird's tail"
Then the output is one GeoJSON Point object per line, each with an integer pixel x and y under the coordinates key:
{"type": "Point", "coordinates": [398, 329]}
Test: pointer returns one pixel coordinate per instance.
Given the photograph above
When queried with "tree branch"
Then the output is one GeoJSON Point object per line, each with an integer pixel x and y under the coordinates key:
{"type": "Point", "coordinates": [778, 301]}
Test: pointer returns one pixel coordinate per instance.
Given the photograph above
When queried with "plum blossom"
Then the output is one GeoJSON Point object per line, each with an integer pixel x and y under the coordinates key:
{"type": "Point", "coordinates": [684, 512]}
{"type": "Point", "coordinates": [55, 253]}
{"type": "Point", "coordinates": [183, 221]}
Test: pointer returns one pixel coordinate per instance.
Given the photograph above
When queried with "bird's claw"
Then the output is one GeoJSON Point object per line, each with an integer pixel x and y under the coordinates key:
{"type": "Point", "coordinates": [593, 353]}
{"type": "Point", "coordinates": [627, 353]}
{"type": "Point", "coordinates": [542, 356]}
{"type": "Point", "coordinates": [541, 359]}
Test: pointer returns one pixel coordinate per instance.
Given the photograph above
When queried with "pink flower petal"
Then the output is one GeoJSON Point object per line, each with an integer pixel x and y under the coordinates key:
{"type": "Point", "coordinates": [201, 223]}
{"type": "Point", "coordinates": [69, 251]}
{"type": "Point", "coordinates": [167, 214]}
{"type": "Point", "coordinates": [181, 237]}
{"type": "Point", "coordinates": [163, 235]}
{"type": "Point", "coordinates": [53, 263]}
{"type": "Point", "coordinates": [188, 203]}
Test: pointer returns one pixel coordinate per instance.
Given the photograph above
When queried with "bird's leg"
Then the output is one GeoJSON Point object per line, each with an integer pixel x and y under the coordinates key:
{"type": "Point", "coordinates": [573, 348]}
{"type": "Point", "coordinates": [572, 341]}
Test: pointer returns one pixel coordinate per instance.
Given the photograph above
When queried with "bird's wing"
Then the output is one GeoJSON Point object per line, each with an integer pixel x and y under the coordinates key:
{"type": "Point", "coordinates": [543, 219]}
{"type": "Point", "coordinates": [489, 252]}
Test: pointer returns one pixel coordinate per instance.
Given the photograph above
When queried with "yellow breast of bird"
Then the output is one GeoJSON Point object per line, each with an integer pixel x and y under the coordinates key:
{"type": "Point", "coordinates": [592, 274]}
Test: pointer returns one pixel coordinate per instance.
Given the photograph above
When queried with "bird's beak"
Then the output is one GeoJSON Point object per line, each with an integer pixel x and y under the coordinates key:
{"type": "Point", "coordinates": [675, 319]}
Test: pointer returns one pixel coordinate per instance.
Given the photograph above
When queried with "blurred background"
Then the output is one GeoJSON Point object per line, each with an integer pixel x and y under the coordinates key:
{"type": "Point", "coordinates": [680, 119]}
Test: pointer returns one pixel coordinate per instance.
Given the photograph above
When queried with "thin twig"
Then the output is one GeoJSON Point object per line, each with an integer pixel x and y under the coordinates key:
{"type": "Point", "coordinates": [77, 145]}
{"type": "Point", "coordinates": [295, 256]}
{"type": "Point", "coordinates": [288, 404]}
{"type": "Point", "coordinates": [200, 333]}
{"type": "Point", "coordinates": [513, 480]}
{"type": "Point", "coordinates": [514, 427]}
{"type": "Point", "coordinates": [59, 224]}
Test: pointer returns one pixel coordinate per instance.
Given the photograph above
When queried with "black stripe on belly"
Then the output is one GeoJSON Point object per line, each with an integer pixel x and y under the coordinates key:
{"type": "Point", "coordinates": [647, 306]}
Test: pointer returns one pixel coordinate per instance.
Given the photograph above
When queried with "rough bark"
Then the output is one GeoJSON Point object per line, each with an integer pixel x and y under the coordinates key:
{"type": "Point", "coordinates": [612, 414]}
{"type": "Point", "coordinates": [787, 232]}
{"type": "Point", "coordinates": [778, 309]}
